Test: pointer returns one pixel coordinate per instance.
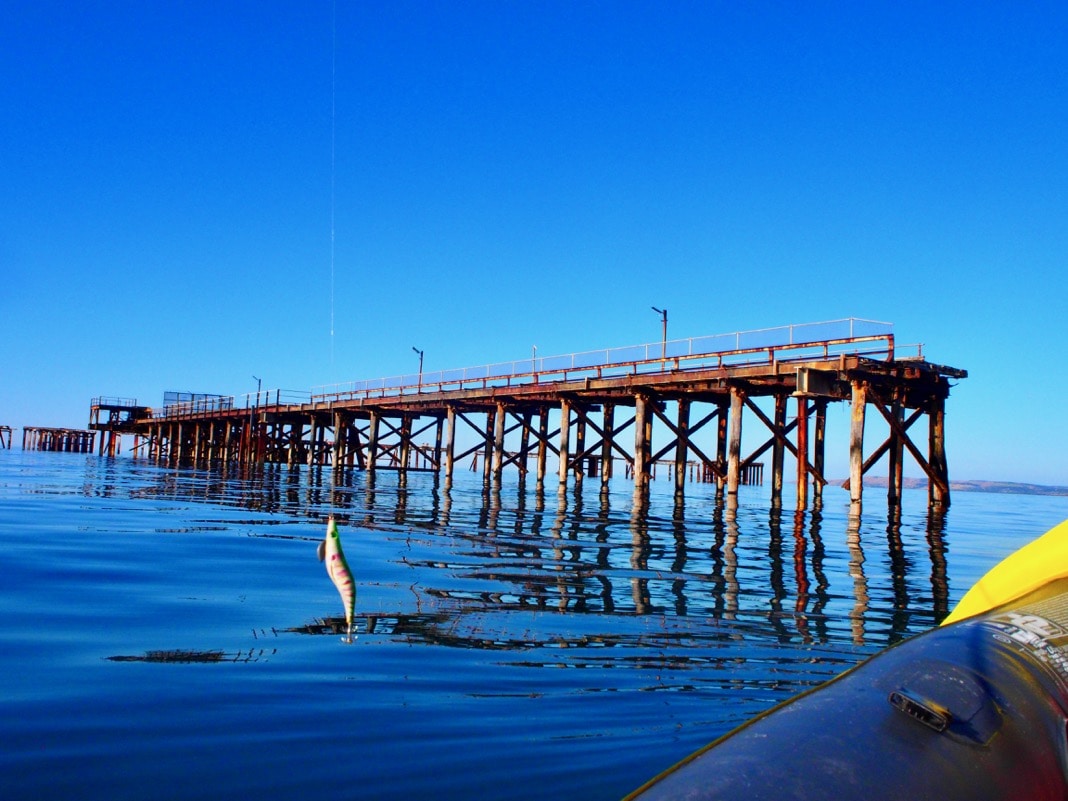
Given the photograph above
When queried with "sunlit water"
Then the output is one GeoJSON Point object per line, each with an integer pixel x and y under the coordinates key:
{"type": "Point", "coordinates": [171, 634]}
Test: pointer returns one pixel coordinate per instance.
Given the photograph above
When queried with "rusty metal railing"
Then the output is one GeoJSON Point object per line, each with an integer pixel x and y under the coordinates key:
{"type": "Point", "coordinates": [106, 401]}
{"type": "Point", "coordinates": [851, 336]}
{"type": "Point", "coordinates": [231, 403]}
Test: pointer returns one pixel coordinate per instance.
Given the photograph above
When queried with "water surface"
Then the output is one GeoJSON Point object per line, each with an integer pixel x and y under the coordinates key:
{"type": "Point", "coordinates": [170, 633]}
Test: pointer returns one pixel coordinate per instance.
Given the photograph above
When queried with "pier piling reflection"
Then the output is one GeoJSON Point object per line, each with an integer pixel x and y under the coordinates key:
{"type": "Point", "coordinates": [484, 554]}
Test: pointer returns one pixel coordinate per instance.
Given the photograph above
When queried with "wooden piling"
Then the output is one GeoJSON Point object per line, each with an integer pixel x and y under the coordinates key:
{"type": "Point", "coordinates": [856, 442]}
{"type": "Point", "coordinates": [372, 440]}
{"type": "Point", "coordinates": [896, 453]}
{"type": "Point", "coordinates": [489, 437]}
{"type": "Point", "coordinates": [565, 440]}
{"type": "Point", "coordinates": [642, 424]}
{"type": "Point", "coordinates": [61, 440]}
{"type": "Point", "coordinates": [802, 452]}
{"type": "Point", "coordinates": [580, 445]}
{"type": "Point", "coordinates": [498, 441]}
{"type": "Point", "coordinates": [524, 442]}
{"type": "Point", "coordinates": [607, 440]}
{"type": "Point", "coordinates": [938, 491]}
{"type": "Point", "coordinates": [819, 449]}
{"type": "Point", "coordinates": [722, 424]}
{"type": "Point", "coordinates": [543, 445]}
{"type": "Point", "coordinates": [778, 450]}
{"type": "Point", "coordinates": [734, 446]}
{"type": "Point", "coordinates": [450, 442]}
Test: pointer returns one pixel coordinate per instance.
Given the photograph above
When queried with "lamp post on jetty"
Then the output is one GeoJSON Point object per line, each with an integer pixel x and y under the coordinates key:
{"type": "Point", "coordinates": [419, 388]}
{"type": "Point", "coordinates": [663, 340]}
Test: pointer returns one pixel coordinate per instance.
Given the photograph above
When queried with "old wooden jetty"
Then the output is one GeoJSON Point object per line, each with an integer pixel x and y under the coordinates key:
{"type": "Point", "coordinates": [5, 437]}
{"type": "Point", "coordinates": [70, 440]}
{"type": "Point", "coordinates": [590, 412]}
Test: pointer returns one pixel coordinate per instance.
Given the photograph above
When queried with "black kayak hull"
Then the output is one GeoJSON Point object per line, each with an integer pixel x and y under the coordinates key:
{"type": "Point", "coordinates": [975, 710]}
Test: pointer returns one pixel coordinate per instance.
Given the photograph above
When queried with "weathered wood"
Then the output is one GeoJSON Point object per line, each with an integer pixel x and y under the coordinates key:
{"type": "Point", "coordinates": [524, 443]}
{"type": "Point", "coordinates": [938, 491]}
{"type": "Point", "coordinates": [936, 475]}
{"type": "Point", "coordinates": [487, 451]}
{"type": "Point", "coordinates": [313, 435]}
{"type": "Point", "coordinates": [372, 440]}
{"type": "Point", "coordinates": [498, 441]}
{"type": "Point", "coordinates": [607, 436]}
{"type": "Point", "coordinates": [642, 426]}
{"type": "Point", "coordinates": [734, 447]}
{"type": "Point", "coordinates": [565, 445]}
{"type": "Point", "coordinates": [802, 452]}
{"type": "Point", "coordinates": [66, 440]}
{"type": "Point", "coordinates": [895, 479]}
{"type": "Point", "coordinates": [580, 446]}
{"type": "Point", "coordinates": [543, 444]}
{"type": "Point", "coordinates": [296, 434]}
{"type": "Point", "coordinates": [438, 425]}
{"type": "Point", "coordinates": [778, 458]}
{"type": "Point", "coordinates": [180, 450]}
{"type": "Point", "coordinates": [856, 441]}
{"type": "Point", "coordinates": [722, 423]}
{"type": "Point", "coordinates": [682, 446]}
{"type": "Point", "coordinates": [819, 448]}
{"type": "Point", "coordinates": [337, 452]}
{"type": "Point", "coordinates": [405, 443]}
{"type": "Point", "coordinates": [450, 442]}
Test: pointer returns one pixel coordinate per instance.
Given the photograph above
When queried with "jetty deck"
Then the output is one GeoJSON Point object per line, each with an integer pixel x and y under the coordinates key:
{"type": "Point", "coordinates": [590, 411]}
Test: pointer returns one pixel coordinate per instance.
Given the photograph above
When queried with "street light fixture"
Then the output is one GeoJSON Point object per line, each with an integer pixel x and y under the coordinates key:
{"type": "Point", "coordinates": [663, 341]}
{"type": "Point", "coordinates": [420, 386]}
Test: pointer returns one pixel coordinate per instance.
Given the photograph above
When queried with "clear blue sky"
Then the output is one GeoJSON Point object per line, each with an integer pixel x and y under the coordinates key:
{"type": "Point", "coordinates": [511, 174]}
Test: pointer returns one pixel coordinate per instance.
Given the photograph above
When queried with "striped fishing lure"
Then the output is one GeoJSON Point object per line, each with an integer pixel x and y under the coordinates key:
{"type": "Point", "coordinates": [338, 569]}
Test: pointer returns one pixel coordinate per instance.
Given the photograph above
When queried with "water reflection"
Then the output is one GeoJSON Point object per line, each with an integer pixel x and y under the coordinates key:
{"type": "Point", "coordinates": [186, 657]}
{"type": "Point", "coordinates": [486, 554]}
{"type": "Point", "coordinates": [856, 571]}
{"type": "Point", "coordinates": [936, 526]}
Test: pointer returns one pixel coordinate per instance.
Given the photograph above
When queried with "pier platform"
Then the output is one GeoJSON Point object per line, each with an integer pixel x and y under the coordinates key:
{"type": "Point", "coordinates": [591, 412]}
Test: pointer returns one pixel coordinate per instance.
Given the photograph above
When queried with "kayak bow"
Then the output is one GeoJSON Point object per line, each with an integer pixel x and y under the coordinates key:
{"type": "Point", "coordinates": [974, 709]}
{"type": "Point", "coordinates": [1037, 563]}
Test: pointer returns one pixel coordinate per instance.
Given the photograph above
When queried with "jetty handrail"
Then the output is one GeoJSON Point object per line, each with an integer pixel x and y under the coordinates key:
{"type": "Point", "coordinates": [107, 401]}
{"type": "Point", "coordinates": [799, 342]}
{"type": "Point", "coordinates": [784, 343]}
{"type": "Point", "coordinates": [233, 403]}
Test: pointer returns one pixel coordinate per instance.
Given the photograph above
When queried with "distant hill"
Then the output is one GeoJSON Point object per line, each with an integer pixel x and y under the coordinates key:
{"type": "Point", "coordinates": [1004, 487]}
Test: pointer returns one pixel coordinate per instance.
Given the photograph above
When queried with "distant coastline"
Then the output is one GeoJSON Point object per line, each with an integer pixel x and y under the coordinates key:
{"type": "Point", "coordinates": [1002, 487]}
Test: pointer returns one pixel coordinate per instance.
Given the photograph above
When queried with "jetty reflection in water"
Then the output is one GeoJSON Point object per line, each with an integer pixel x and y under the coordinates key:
{"type": "Point", "coordinates": [481, 552]}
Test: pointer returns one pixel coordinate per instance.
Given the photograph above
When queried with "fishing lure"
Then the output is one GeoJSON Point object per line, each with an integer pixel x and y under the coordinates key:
{"type": "Point", "coordinates": [338, 569]}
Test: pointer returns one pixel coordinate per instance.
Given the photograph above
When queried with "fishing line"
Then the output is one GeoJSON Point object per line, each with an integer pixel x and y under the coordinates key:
{"type": "Point", "coordinates": [333, 169]}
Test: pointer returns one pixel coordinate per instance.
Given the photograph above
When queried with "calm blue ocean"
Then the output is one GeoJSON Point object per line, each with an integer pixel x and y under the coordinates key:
{"type": "Point", "coordinates": [170, 634]}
